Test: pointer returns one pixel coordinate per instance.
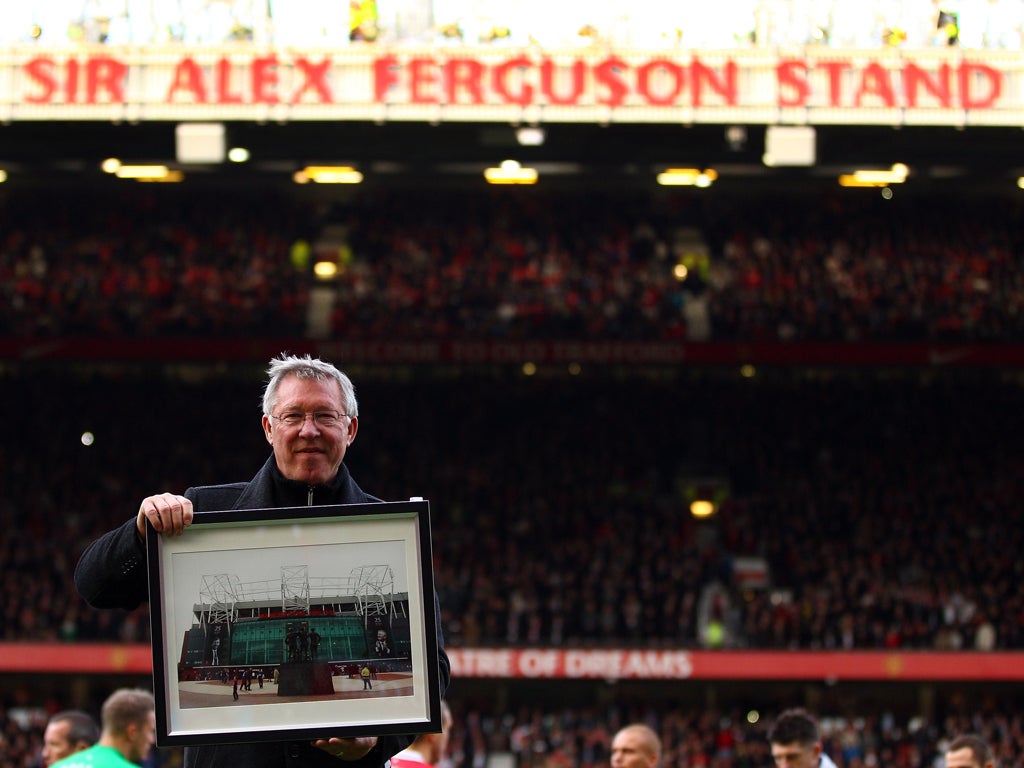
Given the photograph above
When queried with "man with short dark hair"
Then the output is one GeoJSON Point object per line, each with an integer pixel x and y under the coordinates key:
{"type": "Point", "coordinates": [128, 735]}
{"type": "Point", "coordinates": [969, 751]}
{"type": "Point", "coordinates": [68, 732]}
{"type": "Point", "coordinates": [795, 741]}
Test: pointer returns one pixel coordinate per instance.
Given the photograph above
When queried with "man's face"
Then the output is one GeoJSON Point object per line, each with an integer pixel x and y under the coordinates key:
{"type": "Point", "coordinates": [309, 453]}
{"type": "Point", "coordinates": [440, 742]}
{"type": "Point", "coordinates": [796, 755]}
{"type": "Point", "coordinates": [961, 758]}
{"type": "Point", "coordinates": [629, 750]}
{"type": "Point", "coordinates": [56, 745]}
{"type": "Point", "coordinates": [141, 738]}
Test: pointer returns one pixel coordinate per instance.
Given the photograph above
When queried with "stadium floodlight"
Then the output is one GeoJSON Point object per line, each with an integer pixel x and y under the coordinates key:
{"type": "Point", "coordinates": [687, 177]}
{"type": "Point", "coordinates": [155, 173]}
{"type": "Point", "coordinates": [511, 172]}
{"type": "Point", "coordinates": [141, 171]}
{"type": "Point", "coordinates": [702, 508]}
{"type": "Point", "coordinates": [328, 174]}
{"type": "Point", "coordinates": [325, 270]}
{"type": "Point", "coordinates": [897, 174]}
{"type": "Point", "coordinates": [172, 177]}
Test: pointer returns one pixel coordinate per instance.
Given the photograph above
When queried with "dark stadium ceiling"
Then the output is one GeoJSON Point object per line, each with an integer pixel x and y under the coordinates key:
{"type": "Point", "coordinates": [458, 152]}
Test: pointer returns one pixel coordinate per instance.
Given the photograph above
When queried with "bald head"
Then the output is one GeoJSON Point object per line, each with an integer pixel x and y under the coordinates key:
{"type": "Point", "coordinates": [636, 746]}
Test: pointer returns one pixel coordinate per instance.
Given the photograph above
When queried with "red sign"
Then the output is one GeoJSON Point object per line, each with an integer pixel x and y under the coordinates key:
{"type": "Point", "coordinates": [665, 82]}
{"type": "Point", "coordinates": [610, 664]}
{"type": "Point", "coordinates": [735, 665]}
{"type": "Point", "coordinates": [358, 83]}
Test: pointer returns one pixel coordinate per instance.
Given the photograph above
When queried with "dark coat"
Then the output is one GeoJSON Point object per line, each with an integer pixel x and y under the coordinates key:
{"type": "Point", "coordinates": [112, 574]}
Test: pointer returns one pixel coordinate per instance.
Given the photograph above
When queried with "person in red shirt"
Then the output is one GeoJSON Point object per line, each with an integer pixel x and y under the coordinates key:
{"type": "Point", "coordinates": [427, 749]}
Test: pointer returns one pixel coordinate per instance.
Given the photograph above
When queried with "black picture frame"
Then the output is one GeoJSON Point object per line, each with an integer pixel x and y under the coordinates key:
{"type": "Point", "coordinates": [238, 591]}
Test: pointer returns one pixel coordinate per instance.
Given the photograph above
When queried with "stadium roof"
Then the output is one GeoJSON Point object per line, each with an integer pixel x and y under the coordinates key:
{"type": "Point", "coordinates": [457, 152]}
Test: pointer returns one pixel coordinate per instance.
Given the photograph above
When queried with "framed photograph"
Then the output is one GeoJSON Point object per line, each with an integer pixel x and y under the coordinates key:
{"type": "Point", "coordinates": [295, 623]}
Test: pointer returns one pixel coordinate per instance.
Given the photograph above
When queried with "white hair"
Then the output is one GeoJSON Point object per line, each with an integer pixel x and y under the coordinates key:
{"type": "Point", "coordinates": [307, 367]}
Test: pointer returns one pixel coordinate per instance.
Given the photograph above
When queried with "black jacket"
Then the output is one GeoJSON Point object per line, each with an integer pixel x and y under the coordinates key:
{"type": "Point", "coordinates": [112, 574]}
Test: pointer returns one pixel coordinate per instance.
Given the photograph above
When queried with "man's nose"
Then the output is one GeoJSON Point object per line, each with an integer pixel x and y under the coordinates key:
{"type": "Point", "coordinates": [309, 425]}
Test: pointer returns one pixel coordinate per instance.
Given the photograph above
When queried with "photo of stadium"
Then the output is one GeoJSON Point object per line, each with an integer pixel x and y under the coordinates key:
{"type": "Point", "coordinates": [306, 635]}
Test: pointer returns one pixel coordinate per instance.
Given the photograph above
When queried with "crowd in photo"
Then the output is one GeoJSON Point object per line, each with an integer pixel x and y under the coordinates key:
{"type": "Point", "coordinates": [640, 267]}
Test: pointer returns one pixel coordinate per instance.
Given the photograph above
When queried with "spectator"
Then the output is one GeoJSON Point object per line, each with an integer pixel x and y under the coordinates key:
{"type": "Point", "coordinates": [68, 732]}
{"type": "Point", "coordinates": [127, 736]}
{"type": "Point", "coordinates": [969, 751]}
{"type": "Point", "coordinates": [796, 742]}
{"type": "Point", "coordinates": [636, 746]}
{"type": "Point", "coordinates": [427, 749]}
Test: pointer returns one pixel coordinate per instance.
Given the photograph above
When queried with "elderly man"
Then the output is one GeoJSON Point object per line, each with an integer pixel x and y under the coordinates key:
{"type": "Point", "coordinates": [310, 418]}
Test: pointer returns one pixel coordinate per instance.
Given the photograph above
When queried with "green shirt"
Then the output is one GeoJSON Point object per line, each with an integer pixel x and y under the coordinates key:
{"type": "Point", "coordinates": [96, 756]}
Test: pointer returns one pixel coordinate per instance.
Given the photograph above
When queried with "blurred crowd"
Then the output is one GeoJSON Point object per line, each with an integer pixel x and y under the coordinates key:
{"type": "Point", "coordinates": [884, 509]}
{"type": "Point", "coordinates": [648, 25]}
{"type": "Point", "coordinates": [883, 504]}
{"type": "Point", "coordinates": [667, 266]}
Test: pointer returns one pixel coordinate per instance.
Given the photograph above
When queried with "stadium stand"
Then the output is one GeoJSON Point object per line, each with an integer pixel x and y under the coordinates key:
{"type": "Point", "coordinates": [833, 486]}
{"type": "Point", "coordinates": [882, 502]}
{"type": "Point", "coordinates": [867, 502]}
{"type": "Point", "coordinates": [506, 266]}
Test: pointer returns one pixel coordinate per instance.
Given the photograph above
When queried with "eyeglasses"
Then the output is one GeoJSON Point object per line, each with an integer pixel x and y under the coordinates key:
{"type": "Point", "coordinates": [323, 419]}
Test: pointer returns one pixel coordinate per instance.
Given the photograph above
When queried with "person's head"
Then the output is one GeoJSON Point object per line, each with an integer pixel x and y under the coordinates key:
{"type": "Point", "coordinates": [68, 732]}
{"type": "Point", "coordinates": [794, 740]}
{"type": "Point", "coordinates": [129, 723]}
{"type": "Point", "coordinates": [432, 746]}
{"type": "Point", "coordinates": [310, 417]}
{"type": "Point", "coordinates": [636, 746]}
{"type": "Point", "coordinates": [969, 751]}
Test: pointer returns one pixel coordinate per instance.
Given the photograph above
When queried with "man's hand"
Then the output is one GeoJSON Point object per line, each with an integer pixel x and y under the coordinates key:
{"type": "Point", "coordinates": [169, 514]}
{"type": "Point", "coordinates": [347, 749]}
